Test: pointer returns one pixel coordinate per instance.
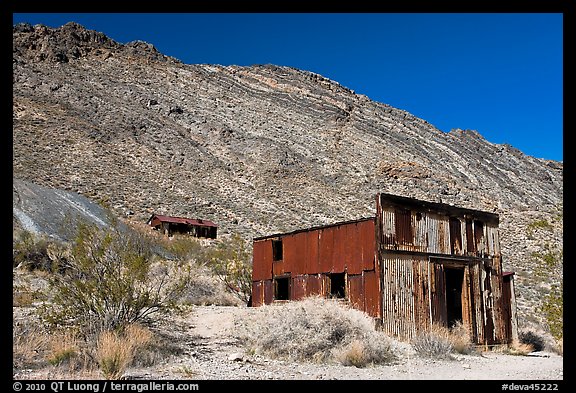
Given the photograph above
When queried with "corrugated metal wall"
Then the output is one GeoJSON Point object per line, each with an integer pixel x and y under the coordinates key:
{"type": "Point", "coordinates": [310, 256]}
{"type": "Point", "coordinates": [398, 266]}
{"type": "Point", "coordinates": [416, 242]}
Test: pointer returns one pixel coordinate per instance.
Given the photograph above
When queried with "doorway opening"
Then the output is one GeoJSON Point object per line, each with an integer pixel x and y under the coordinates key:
{"type": "Point", "coordinates": [454, 282]}
{"type": "Point", "coordinates": [282, 288]}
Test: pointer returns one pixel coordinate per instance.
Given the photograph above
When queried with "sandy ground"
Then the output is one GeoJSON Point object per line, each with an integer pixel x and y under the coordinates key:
{"type": "Point", "coordinates": [210, 351]}
{"type": "Point", "coordinates": [214, 354]}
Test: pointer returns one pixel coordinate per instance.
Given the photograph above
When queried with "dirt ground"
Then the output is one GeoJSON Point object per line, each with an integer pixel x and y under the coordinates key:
{"type": "Point", "coordinates": [210, 351]}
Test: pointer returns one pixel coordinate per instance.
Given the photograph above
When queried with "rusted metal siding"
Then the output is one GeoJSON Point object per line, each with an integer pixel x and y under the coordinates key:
{"type": "Point", "coordinates": [430, 232]}
{"type": "Point", "coordinates": [312, 264]}
{"type": "Point", "coordinates": [262, 260]}
{"type": "Point", "coordinates": [268, 291]}
{"type": "Point", "coordinates": [368, 242]}
{"type": "Point", "coordinates": [314, 285]}
{"type": "Point", "coordinates": [416, 242]}
{"type": "Point", "coordinates": [257, 293]}
{"type": "Point", "coordinates": [262, 292]}
{"type": "Point", "coordinates": [509, 305]}
{"type": "Point", "coordinates": [372, 299]}
{"type": "Point", "coordinates": [326, 249]}
{"type": "Point", "coordinates": [298, 287]}
{"type": "Point", "coordinates": [397, 300]}
{"type": "Point", "coordinates": [294, 247]}
{"type": "Point", "coordinates": [356, 291]}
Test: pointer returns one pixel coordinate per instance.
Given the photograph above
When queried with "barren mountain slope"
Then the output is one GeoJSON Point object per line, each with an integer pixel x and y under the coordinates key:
{"type": "Point", "coordinates": [256, 149]}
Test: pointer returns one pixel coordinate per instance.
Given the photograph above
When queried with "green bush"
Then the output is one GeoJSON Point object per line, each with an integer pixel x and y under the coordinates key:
{"type": "Point", "coordinates": [111, 280]}
{"type": "Point", "coordinates": [553, 310]}
{"type": "Point", "coordinates": [231, 261]}
{"type": "Point", "coordinates": [31, 251]}
{"type": "Point", "coordinates": [535, 341]}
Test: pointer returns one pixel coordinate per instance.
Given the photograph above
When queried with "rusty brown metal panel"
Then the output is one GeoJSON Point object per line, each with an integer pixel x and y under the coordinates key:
{"type": "Point", "coordinates": [257, 293]}
{"type": "Point", "coordinates": [421, 294]}
{"type": "Point", "coordinates": [478, 309]}
{"type": "Point", "coordinates": [311, 261]}
{"type": "Point", "coordinates": [298, 288]}
{"type": "Point", "coordinates": [441, 243]}
{"type": "Point", "coordinates": [262, 260]}
{"type": "Point", "coordinates": [351, 249]}
{"type": "Point", "coordinates": [403, 226]}
{"type": "Point", "coordinates": [339, 249]}
{"type": "Point", "coordinates": [326, 249]}
{"type": "Point", "coordinates": [438, 292]}
{"type": "Point", "coordinates": [371, 293]}
{"type": "Point", "coordinates": [314, 285]}
{"type": "Point", "coordinates": [397, 299]}
{"type": "Point", "coordinates": [355, 291]}
{"type": "Point", "coordinates": [368, 244]}
{"type": "Point", "coordinates": [268, 291]}
{"type": "Point", "coordinates": [278, 268]}
{"type": "Point", "coordinates": [294, 247]}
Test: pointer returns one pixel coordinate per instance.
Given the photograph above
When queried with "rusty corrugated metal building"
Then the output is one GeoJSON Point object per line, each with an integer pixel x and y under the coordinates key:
{"type": "Point", "coordinates": [170, 225]}
{"type": "Point", "coordinates": [414, 264]}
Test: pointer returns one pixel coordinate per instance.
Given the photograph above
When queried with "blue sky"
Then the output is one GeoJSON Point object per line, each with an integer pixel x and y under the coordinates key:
{"type": "Point", "coordinates": [498, 73]}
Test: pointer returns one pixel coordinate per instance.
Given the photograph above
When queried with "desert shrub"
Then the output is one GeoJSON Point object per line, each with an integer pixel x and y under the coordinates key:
{"type": "Point", "coordinates": [111, 280]}
{"type": "Point", "coordinates": [316, 329]}
{"type": "Point", "coordinates": [553, 309]}
{"type": "Point", "coordinates": [204, 288]}
{"type": "Point", "coordinates": [531, 338]}
{"type": "Point", "coordinates": [434, 342]}
{"type": "Point", "coordinates": [460, 337]}
{"type": "Point", "coordinates": [231, 261]}
{"type": "Point", "coordinates": [519, 348]}
{"type": "Point", "coordinates": [30, 251]}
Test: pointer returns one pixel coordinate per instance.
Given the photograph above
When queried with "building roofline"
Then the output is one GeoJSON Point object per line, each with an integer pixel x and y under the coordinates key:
{"type": "Point", "coordinates": [402, 201]}
{"type": "Point", "coordinates": [315, 228]}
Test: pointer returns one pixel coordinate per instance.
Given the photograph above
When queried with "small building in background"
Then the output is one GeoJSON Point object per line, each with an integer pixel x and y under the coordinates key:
{"type": "Point", "coordinates": [415, 264]}
{"type": "Point", "coordinates": [169, 226]}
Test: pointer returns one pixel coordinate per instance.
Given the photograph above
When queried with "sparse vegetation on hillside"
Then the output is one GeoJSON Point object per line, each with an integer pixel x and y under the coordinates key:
{"type": "Point", "coordinates": [549, 265]}
{"type": "Point", "coordinates": [316, 330]}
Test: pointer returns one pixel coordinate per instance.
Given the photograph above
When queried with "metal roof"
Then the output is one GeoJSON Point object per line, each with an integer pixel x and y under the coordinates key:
{"type": "Point", "coordinates": [183, 220]}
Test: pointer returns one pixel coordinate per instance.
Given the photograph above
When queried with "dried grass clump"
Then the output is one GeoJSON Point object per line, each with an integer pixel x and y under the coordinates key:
{"type": "Point", "coordinates": [519, 348]}
{"type": "Point", "coordinates": [440, 342]}
{"type": "Point", "coordinates": [116, 351]}
{"type": "Point", "coordinates": [434, 343]}
{"type": "Point", "coordinates": [316, 329]}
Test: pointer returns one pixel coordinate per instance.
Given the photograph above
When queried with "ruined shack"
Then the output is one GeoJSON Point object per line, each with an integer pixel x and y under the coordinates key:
{"type": "Point", "coordinates": [416, 263]}
{"type": "Point", "coordinates": [169, 226]}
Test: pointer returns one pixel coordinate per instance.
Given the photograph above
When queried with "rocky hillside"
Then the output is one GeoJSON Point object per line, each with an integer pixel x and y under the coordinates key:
{"type": "Point", "coordinates": [256, 149]}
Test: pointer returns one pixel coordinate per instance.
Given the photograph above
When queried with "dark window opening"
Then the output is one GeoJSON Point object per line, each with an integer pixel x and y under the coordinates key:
{"type": "Point", "coordinates": [338, 285]}
{"type": "Point", "coordinates": [277, 250]}
{"type": "Point", "coordinates": [454, 282]}
{"type": "Point", "coordinates": [403, 226]}
{"type": "Point", "coordinates": [282, 288]}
